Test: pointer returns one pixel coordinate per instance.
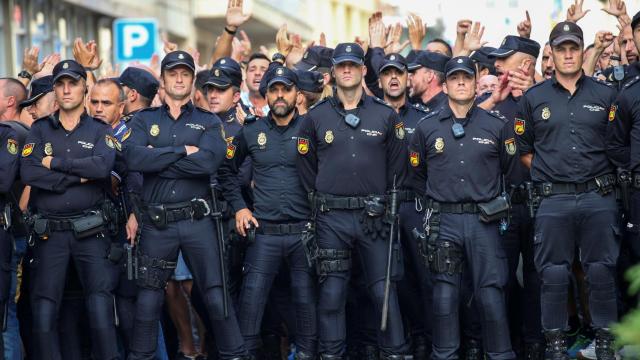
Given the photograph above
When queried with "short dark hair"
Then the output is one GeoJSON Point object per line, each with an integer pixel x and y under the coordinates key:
{"type": "Point", "coordinates": [443, 42]}
{"type": "Point", "coordinates": [255, 56]}
{"type": "Point", "coordinates": [13, 87]}
{"type": "Point", "coordinates": [111, 81]}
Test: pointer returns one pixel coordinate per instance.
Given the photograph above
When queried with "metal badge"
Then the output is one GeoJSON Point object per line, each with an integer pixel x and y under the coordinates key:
{"type": "Point", "coordinates": [216, 72]}
{"type": "Point", "coordinates": [223, 61]}
{"type": "Point", "coordinates": [180, 56]}
{"type": "Point", "coordinates": [155, 130]}
{"type": "Point", "coordinates": [546, 113]}
{"type": "Point", "coordinates": [328, 137]}
{"type": "Point", "coordinates": [262, 139]}
{"type": "Point", "coordinates": [48, 149]}
{"type": "Point", "coordinates": [565, 28]}
{"type": "Point", "coordinates": [400, 131]}
{"type": "Point", "coordinates": [279, 71]}
{"type": "Point", "coordinates": [65, 66]}
{"type": "Point", "coordinates": [439, 145]}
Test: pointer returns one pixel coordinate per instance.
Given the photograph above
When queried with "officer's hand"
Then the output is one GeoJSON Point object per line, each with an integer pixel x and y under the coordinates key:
{"type": "Point", "coordinates": [30, 60]}
{"type": "Point", "coordinates": [473, 38]}
{"type": "Point", "coordinates": [520, 79]}
{"type": "Point", "coordinates": [46, 161]}
{"type": "Point", "coordinates": [132, 228]}
{"type": "Point", "coordinates": [616, 8]}
{"type": "Point", "coordinates": [191, 149]}
{"type": "Point", "coordinates": [377, 31]}
{"type": "Point", "coordinates": [243, 218]}
{"type": "Point", "coordinates": [417, 31]}
{"type": "Point", "coordinates": [502, 91]}
{"type": "Point", "coordinates": [603, 40]}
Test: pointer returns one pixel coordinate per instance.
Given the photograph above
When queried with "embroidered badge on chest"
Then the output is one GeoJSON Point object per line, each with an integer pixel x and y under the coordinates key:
{"type": "Point", "coordinates": [262, 140]}
{"type": "Point", "coordinates": [155, 130]}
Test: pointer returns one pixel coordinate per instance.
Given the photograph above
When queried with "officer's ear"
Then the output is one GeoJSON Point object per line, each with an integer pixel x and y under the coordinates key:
{"type": "Point", "coordinates": [364, 70]}
{"type": "Point", "coordinates": [444, 88]}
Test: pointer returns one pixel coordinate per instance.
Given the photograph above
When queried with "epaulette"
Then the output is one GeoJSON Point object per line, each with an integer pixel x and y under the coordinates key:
{"type": "Point", "coordinates": [421, 108]}
{"type": "Point", "coordinates": [319, 102]}
{"type": "Point", "coordinates": [535, 85]}
{"type": "Point", "coordinates": [496, 114]}
{"type": "Point", "coordinates": [380, 101]}
{"type": "Point", "coordinates": [430, 115]}
{"type": "Point", "coordinates": [602, 82]}
{"type": "Point", "coordinates": [631, 82]}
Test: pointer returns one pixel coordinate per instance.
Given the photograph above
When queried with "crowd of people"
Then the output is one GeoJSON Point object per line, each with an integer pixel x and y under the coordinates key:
{"type": "Point", "coordinates": [462, 201]}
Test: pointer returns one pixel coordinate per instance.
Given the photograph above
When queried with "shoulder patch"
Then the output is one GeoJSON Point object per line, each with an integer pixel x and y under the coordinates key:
{"type": "Point", "coordinates": [27, 149]}
{"type": "Point", "coordinates": [126, 135]}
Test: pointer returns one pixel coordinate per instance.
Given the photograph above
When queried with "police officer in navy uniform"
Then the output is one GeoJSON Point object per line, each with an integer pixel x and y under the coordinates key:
{"type": "Point", "coordinates": [140, 87]}
{"type": "Point", "coordinates": [350, 154]}
{"type": "Point", "coordinates": [178, 147]}
{"type": "Point", "coordinates": [66, 160]}
{"type": "Point", "coordinates": [460, 152]}
{"type": "Point", "coordinates": [623, 151]}
{"type": "Point", "coordinates": [514, 54]}
{"type": "Point", "coordinates": [281, 214]}
{"type": "Point", "coordinates": [414, 289]}
{"type": "Point", "coordinates": [427, 75]}
{"type": "Point", "coordinates": [9, 168]}
{"type": "Point", "coordinates": [561, 136]}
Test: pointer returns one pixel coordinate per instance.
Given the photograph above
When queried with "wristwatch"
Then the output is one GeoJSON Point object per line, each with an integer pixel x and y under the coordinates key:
{"type": "Point", "coordinates": [24, 74]}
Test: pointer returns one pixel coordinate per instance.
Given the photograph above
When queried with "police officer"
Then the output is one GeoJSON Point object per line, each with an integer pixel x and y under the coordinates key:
{"type": "Point", "coordinates": [178, 147]}
{"type": "Point", "coordinates": [460, 152]}
{"type": "Point", "coordinates": [280, 216]}
{"type": "Point", "coordinates": [9, 169]}
{"type": "Point", "coordinates": [350, 152]}
{"type": "Point", "coordinates": [514, 55]}
{"type": "Point", "coordinates": [561, 136]}
{"type": "Point", "coordinates": [427, 76]}
{"type": "Point", "coordinates": [414, 288]}
{"type": "Point", "coordinates": [311, 84]}
{"type": "Point", "coordinates": [623, 151]}
{"type": "Point", "coordinates": [140, 87]}
{"type": "Point", "coordinates": [67, 158]}
{"type": "Point", "coordinates": [42, 100]}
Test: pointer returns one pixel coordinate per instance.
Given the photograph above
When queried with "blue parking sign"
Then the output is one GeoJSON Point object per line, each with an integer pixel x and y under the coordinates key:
{"type": "Point", "coordinates": [134, 39]}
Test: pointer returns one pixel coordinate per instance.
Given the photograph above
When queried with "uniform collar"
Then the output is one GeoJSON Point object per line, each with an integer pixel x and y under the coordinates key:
{"type": "Point", "coordinates": [338, 102]}
{"type": "Point", "coordinates": [402, 111]}
{"type": "Point", "coordinates": [447, 113]}
{"type": "Point", "coordinates": [230, 115]}
{"type": "Point", "coordinates": [188, 107]}
{"type": "Point", "coordinates": [272, 123]}
{"type": "Point", "coordinates": [555, 83]}
{"type": "Point", "coordinates": [55, 120]}
{"type": "Point", "coordinates": [435, 100]}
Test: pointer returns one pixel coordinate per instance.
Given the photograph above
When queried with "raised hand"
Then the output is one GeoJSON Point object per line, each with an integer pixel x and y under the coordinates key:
{"type": "Point", "coordinates": [235, 17]}
{"type": "Point", "coordinates": [575, 11]}
{"type": "Point", "coordinates": [473, 39]}
{"type": "Point", "coordinates": [283, 43]}
{"type": "Point", "coordinates": [377, 31]}
{"type": "Point", "coordinates": [393, 44]}
{"type": "Point", "coordinates": [524, 27]}
{"type": "Point", "coordinates": [417, 31]}
{"type": "Point", "coordinates": [30, 60]}
{"type": "Point", "coordinates": [616, 8]}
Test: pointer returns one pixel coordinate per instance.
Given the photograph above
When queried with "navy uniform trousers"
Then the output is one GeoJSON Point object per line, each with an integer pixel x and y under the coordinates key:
{"type": "Point", "coordinates": [261, 265]}
{"type": "Point", "coordinates": [48, 273]}
{"type": "Point", "coordinates": [6, 252]}
{"type": "Point", "coordinates": [590, 222]}
{"type": "Point", "coordinates": [198, 242]}
{"type": "Point", "coordinates": [342, 230]}
{"type": "Point", "coordinates": [487, 266]}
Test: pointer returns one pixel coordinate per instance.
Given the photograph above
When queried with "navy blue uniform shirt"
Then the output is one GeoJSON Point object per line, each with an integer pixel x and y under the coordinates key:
{"type": "Point", "coordinates": [336, 159]}
{"type": "Point", "coordinates": [516, 173]}
{"type": "Point", "coordinates": [88, 151]}
{"type": "Point", "coordinates": [410, 116]}
{"type": "Point", "coordinates": [566, 133]}
{"type": "Point", "coordinates": [156, 148]}
{"type": "Point", "coordinates": [9, 163]}
{"type": "Point", "coordinates": [466, 169]}
{"type": "Point", "coordinates": [623, 132]}
{"type": "Point", "coordinates": [278, 192]}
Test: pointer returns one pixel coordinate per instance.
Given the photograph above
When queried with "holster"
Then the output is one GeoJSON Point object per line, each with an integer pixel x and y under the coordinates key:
{"type": "Point", "coordinates": [445, 258]}
{"type": "Point", "coordinates": [309, 244]}
{"type": "Point", "coordinates": [89, 225]}
{"type": "Point", "coordinates": [41, 227]}
{"type": "Point", "coordinates": [116, 253]}
{"type": "Point", "coordinates": [158, 216]}
{"type": "Point", "coordinates": [495, 209]}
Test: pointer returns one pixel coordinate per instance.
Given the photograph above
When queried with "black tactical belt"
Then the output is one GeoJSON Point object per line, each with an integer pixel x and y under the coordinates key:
{"type": "Point", "coordinates": [547, 189]}
{"type": "Point", "coordinates": [281, 229]}
{"type": "Point", "coordinates": [324, 203]}
{"type": "Point", "coordinates": [453, 208]}
{"type": "Point", "coordinates": [181, 211]}
{"type": "Point", "coordinates": [61, 223]}
{"type": "Point", "coordinates": [406, 195]}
